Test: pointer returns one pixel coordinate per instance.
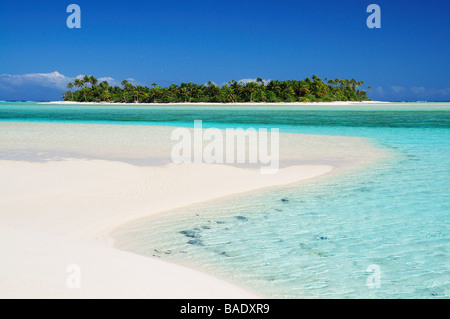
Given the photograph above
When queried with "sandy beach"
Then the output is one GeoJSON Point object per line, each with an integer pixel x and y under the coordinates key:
{"type": "Point", "coordinates": [65, 187]}
{"type": "Point", "coordinates": [336, 103]}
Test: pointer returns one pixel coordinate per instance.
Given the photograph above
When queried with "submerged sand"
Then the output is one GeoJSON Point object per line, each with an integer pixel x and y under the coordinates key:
{"type": "Point", "coordinates": [65, 187]}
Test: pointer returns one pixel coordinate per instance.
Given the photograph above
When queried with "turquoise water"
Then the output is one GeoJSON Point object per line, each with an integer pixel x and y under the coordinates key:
{"type": "Point", "coordinates": [315, 240]}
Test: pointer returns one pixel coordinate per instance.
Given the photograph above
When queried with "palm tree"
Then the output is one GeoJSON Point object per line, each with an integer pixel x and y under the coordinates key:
{"type": "Point", "coordinates": [129, 88]}
{"type": "Point", "coordinates": [104, 84]}
{"type": "Point", "coordinates": [251, 87]}
{"type": "Point", "coordinates": [213, 90]}
{"type": "Point", "coordinates": [108, 95]}
{"type": "Point", "coordinates": [70, 87]}
{"type": "Point", "coordinates": [124, 84]}
{"type": "Point", "coordinates": [157, 92]}
{"type": "Point", "coordinates": [93, 81]}
{"type": "Point", "coordinates": [288, 92]}
{"type": "Point", "coordinates": [78, 83]}
{"type": "Point", "coordinates": [260, 81]}
{"type": "Point", "coordinates": [275, 87]}
{"type": "Point", "coordinates": [86, 79]}
{"type": "Point", "coordinates": [139, 91]}
{"type": "Point", "coordinates": [228, 93]}
{"type": "Point", "coordinates": [173, 90]}
{"type": "Point", "coordinates": [184, 92]}
{"type": "Point", "coordinates": [192, 87]}
{"type": "Point", "coordinates": [353, 84]}
{"type": "Point", "coordinates": [105, 96]}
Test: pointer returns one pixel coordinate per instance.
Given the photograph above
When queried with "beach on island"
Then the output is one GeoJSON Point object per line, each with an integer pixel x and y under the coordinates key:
{"type": "Point", "coordinates": [240, 104]}
{"type": "Point", "coordinates": [66, 187]}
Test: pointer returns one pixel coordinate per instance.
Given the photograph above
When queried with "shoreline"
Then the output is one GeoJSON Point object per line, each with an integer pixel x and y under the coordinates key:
{"type": "Point", "coordinates": [54, 207]}
{"type": "Point", "coordinates": [230, 103]}
{"type": "Point", "coordinates": [335, 103]}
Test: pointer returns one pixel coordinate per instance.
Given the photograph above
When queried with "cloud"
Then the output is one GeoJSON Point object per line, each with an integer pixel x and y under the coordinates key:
{"type": "Point", "coordinates": [415, 93]}
{"type": "Point", "coordinates": [444, 92]}
{"type": "Point", "coordinates": [245, 81]}
{"type": "Point", "coordinates": [33, 86]}
{"type": "Point", "coordinates": [111, 81]}
{"type": "Point", "coordinates": [53, 80]}
{"type": "Point", "coordinates": [41, 86]}
{"type": "Point", "coordinates": [430, 93]}
{"type": "Point", "coordinates": [380, 91]}
{"type": "Point", "coordinates": [418, 90]}
{"type": "Point", "coordinates": [398, 89]}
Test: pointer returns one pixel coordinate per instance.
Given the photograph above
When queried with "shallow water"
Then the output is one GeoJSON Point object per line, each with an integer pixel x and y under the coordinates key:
{"type": "Point", "coordinates": [316, 239]}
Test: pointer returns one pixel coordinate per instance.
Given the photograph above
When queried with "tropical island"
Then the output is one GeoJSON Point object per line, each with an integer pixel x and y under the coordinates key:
{"type": "Point", "coordinates": [308, 90]}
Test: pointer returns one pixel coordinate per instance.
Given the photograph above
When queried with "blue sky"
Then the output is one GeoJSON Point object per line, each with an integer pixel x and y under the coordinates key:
{"type": "Point", "coordinates": [172, 41]}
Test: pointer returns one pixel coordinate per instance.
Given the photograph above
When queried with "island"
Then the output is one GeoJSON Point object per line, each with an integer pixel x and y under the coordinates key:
{"type": "Point", "coordinates": [273, 91]}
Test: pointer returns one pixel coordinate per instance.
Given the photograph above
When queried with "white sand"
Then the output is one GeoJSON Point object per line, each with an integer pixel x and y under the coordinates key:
{"type": "Point", "coordinates": [335, 103]}
{"type": "Point", "coordinates": [64, 187]}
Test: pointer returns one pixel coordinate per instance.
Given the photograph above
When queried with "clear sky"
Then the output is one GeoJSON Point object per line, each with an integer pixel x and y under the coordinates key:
{"type": "Point", "coordinates": [173, 41]}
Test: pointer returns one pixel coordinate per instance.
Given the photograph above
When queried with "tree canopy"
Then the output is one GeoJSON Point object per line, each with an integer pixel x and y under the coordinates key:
{"type": "Point", "coordinates": [307, 90]}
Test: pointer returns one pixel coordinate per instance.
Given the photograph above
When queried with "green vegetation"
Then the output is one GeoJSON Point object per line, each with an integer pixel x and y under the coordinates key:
{"type": "Point", "coordinates": [308, 90]}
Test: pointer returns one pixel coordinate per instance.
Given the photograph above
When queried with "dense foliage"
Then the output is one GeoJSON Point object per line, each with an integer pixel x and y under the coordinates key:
{"type": "Point", "coordinates": [308, 90]}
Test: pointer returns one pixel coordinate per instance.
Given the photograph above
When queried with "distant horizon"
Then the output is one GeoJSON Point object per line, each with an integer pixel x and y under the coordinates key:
{"type": "Point", "coordinates": [371, 101]}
